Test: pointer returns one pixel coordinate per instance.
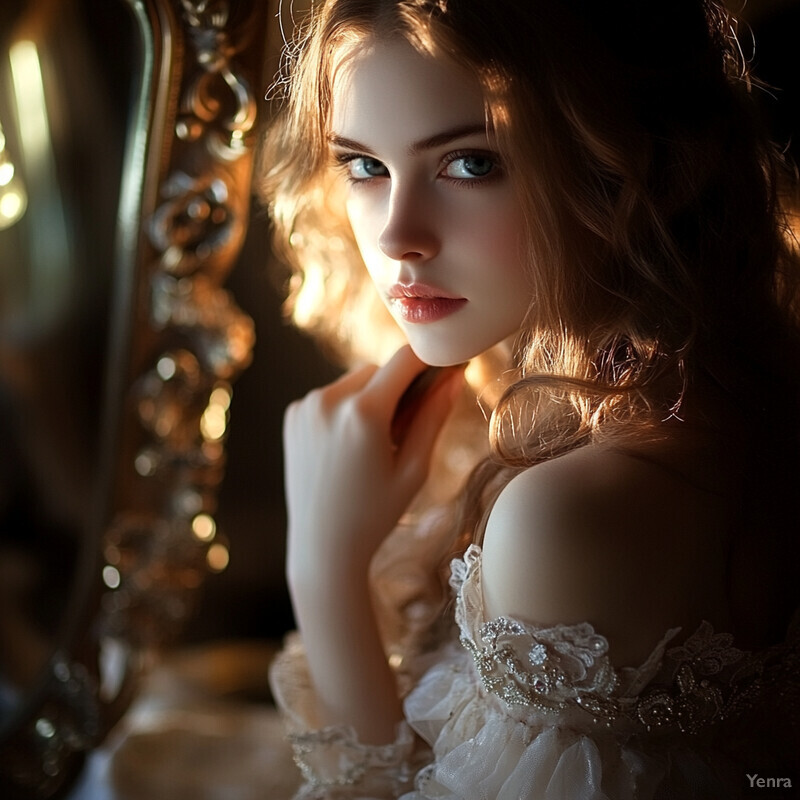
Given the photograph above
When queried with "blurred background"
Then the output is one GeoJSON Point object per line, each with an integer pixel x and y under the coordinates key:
{"type": "Point", "coordinates": [53, 318]}
{"type": "Point", "coordinates": [55, 288]}
{"type": "Point", "coordinates": [249, 598]}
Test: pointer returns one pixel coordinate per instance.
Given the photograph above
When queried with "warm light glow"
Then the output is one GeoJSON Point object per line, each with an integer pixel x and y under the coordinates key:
{"type": "Point", "coordinates": [13, 199]}
{"type": "Point", "coordinates": [310, 296]}
{"type": "Point", "coordinates": [213, 423]}
{"type": "Point", "coordinates": [221, 396]}
{"type": "Point", "coordinates": [166, 368]}
{"type": "Point", "coordinates": [204, 527]}
{"type": "Point", "coordinates": [29, 89]}
{"type": "Point", "coordinates": [6, 171]}
{"type": "Point", "coordinates": [12, 207]}
{"type": "Point", "coordinates": [217, 557]}
{"type": "Point", "coordinates": [111, 577]}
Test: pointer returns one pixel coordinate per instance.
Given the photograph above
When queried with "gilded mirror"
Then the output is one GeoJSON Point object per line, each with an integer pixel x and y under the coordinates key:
{"type": "Point", "coordinates": [126, 137]}
{"type": "Point", "coordinates": [125, 162]}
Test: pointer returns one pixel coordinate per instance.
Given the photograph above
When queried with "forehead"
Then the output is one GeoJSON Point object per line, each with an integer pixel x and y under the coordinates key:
{"type": "Point", "coordinates": [388, 91]}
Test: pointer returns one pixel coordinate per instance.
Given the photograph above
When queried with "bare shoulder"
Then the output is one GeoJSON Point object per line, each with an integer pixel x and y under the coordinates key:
{"type": "Point", "coordinates": [606, 537]}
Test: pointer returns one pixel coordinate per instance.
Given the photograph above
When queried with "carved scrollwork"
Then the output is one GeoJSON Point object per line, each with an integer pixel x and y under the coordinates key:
{"type": "Point", "coordinates": [178, 343]}
{"type": "Point", "coordinates": [219, 95]}
{"type": "Point", "coordinates": [200, 341]}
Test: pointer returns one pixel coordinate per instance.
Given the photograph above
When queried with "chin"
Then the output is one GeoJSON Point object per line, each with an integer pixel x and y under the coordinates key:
{"type": "Point", "coordinates": [443, 357]}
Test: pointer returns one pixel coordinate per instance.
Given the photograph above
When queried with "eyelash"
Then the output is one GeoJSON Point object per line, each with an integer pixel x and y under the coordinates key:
{"type": "Point", "coordinates": [495, 173]}
{"type": "Point", "coordinates": [343, 160]}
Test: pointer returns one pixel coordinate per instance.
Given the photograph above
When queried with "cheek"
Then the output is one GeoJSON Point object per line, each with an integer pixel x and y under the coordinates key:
{"type": "Point", "coordinates": [511, 266]}
{"type": "Point", "coordinates": [498, 237]}
{"type": "Point", "coordinates": [366, 224]}
{"type": "Point", "coordinates": [488, 218]}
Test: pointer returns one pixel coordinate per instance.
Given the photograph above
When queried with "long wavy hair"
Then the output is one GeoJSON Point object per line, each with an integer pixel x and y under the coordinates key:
{"type": "Point", "coordinates": [660, 254]}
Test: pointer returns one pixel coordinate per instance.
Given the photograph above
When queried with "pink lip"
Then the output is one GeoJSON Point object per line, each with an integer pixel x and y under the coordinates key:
{"type": "Point", "coordinates": [420, 303]}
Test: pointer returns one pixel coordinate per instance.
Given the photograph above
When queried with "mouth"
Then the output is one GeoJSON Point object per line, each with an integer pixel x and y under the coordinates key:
{"type": "Point", "coordinates": [421, 303]}
{"type": "Point", "coordinates": [419, 291]}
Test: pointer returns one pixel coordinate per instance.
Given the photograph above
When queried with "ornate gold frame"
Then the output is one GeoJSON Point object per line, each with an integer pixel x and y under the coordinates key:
{"type": "Point", "coordinates": [177, 341]}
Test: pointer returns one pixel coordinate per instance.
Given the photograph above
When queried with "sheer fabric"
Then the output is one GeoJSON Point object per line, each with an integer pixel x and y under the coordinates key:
{"type": "Point", "coordinates": [512, 710]}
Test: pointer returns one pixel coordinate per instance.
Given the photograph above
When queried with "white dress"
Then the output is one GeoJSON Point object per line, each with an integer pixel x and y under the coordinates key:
{"type": "Point", "coordinates": [511, 711]}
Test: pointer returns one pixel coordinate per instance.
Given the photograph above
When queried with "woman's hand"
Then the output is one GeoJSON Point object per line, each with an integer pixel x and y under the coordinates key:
{"type": "Point", "coordinates": [347, 482]}
{"type": "Point", "coordinates": [347, 485]}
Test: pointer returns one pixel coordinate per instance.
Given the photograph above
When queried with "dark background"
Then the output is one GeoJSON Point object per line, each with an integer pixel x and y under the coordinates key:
{"type": "Point", "coordinates": [249, 599]}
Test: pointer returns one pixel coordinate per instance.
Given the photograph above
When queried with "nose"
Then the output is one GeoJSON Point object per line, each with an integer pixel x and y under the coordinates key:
{"type": "Point", "coordinates": [410, 231]}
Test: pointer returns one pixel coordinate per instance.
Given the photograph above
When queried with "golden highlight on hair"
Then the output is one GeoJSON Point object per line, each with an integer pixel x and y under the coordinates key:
{"type": "Point", "coordinates": [658, 252]}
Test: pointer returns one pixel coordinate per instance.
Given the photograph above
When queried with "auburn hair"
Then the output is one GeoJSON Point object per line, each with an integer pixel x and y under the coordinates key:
{"type": "Point", "coordinates": [659, 250]}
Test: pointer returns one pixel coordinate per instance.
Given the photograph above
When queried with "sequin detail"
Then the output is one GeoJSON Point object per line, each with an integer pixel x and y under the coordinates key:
{"type": "Point", "coordinates": [688, 688]}
{"type": "Point", "coordinates": [334, 757]}
{"type": "Point", "coordinates": [545, 669]}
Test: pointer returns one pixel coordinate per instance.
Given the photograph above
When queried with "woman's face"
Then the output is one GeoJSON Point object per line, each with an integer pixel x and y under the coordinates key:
{"type": "Point", "coordinates": [432, 208]}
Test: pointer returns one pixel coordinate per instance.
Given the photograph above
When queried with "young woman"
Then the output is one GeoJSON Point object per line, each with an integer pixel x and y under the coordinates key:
{"type": "Point", "coordinates": [576, 198]}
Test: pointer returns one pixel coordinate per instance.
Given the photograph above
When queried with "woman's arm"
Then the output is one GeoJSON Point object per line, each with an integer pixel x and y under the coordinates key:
{"type": "Point", "coordinates": [347, 485]}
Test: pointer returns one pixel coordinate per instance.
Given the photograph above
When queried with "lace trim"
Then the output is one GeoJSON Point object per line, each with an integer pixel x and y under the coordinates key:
{"type": "Point", "coordinates": [334, 758]}
{"type": "Point", "coordinates": [689, 688]}
{"type": "Point", "coordinates": [561, 664]}
{"type": "Point", "coordinates": [333, 763]}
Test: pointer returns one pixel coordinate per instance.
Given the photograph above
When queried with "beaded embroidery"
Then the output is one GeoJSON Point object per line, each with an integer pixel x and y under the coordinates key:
{"type": "Point", "coordinates": [561, 669]}
{"type": "Point", "coordinates": [347, 759]}
{"type": "Point", "coordinates": [688, 688]}
{"type": "Point", "coordinates": [332, 760]}
{"type": "Point", "coordinates": [561, 664]}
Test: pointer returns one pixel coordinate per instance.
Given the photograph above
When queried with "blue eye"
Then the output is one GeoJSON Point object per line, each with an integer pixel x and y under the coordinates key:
{"type": "Point", "coordinates": [362, 168]}
{"type": "Point", "coordinates": [469, 167]}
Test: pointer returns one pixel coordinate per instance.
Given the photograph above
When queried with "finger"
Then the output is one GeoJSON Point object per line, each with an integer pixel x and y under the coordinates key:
{"type": "Point", "coordinates": [354, 380]}
{"type": "Point", "coordinates": [387, 384]}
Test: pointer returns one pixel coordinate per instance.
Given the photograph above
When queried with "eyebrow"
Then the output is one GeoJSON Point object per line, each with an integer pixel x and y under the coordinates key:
{"type": "Point", "coordinates": [437, 140]}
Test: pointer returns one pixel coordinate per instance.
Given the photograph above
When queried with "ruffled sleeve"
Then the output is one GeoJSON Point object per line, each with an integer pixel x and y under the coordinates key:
{"type": "Point", "coordinates": [512, 710]}
{"type": "Point", "coordinates": [333, 762]}
{"type": "Point", "coordinates": [525, 711]}
{"type": "Point", "coordinates": [503, 710]}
